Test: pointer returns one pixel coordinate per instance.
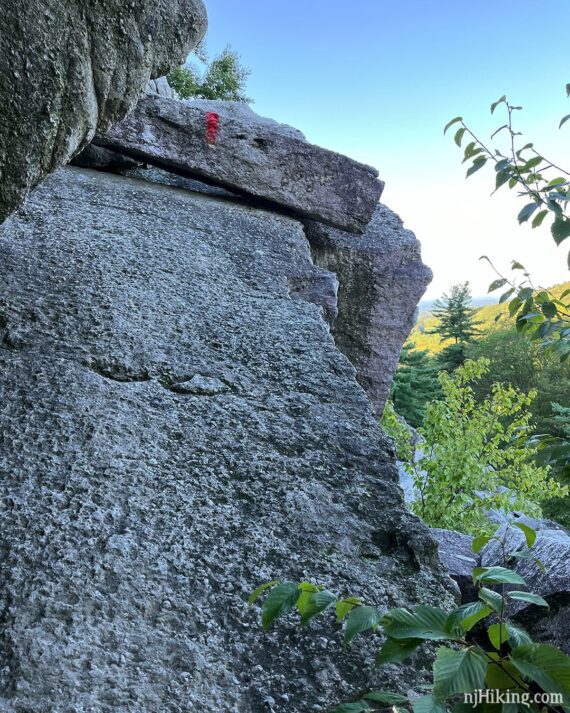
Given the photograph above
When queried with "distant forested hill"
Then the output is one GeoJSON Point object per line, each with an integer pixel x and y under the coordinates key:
{"type": "Point", "coordinates": [487, 315]}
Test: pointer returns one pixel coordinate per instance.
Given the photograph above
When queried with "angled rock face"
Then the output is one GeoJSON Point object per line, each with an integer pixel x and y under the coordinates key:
{"type": "Point", "coordinates": [68, 69]}
{"type": "Point", "coordinates": [250, 154]}
{"type": "Point", "coordinates": [382, 279]}
{"type": "Point", "coordinates": [174, 430]}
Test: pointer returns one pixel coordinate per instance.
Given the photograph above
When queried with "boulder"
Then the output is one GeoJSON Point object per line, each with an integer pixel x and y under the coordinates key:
{"type": "Point", "coordinates": [176, 429]}
{"type": "Point", "coordinates": [382, 278]}
{"type": "Point", "coordinates": [161, 87]}
{"type": "Point", "coordinates": [69, 69]}
{"type": "Point", "coordinates": [249, 154]}
{"type": "Point", "coordinates": [458, 559]}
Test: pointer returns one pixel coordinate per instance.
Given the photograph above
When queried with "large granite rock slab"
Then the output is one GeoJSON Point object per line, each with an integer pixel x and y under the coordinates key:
{"type": "Point", "coordinates": [175, 428]}
{"type": "Point", "coordinates": [68, 69]}
{"type": "Point", "coordinates": [382, 279]}
{"type": "Point", "coordinates": [253, 155]}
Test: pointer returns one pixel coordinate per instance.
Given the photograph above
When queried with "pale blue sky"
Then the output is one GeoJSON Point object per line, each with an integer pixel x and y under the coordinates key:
{"type": "Point", "coordinates": [378, 80]}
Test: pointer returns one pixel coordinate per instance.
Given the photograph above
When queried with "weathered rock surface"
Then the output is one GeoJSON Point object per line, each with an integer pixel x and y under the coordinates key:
{"type": "Point", "coordinates": [161, 87]}
{"type": "Point", "coordinates": [68, 69]}
{"type": "Point", "coordinates": [174, 430]}
{"type": "Point", "coordinates": [252, 155]}
{"type": "Point", "coordinates": [382, 279]}
{"type": "Point", "coordinates": [458, 559]}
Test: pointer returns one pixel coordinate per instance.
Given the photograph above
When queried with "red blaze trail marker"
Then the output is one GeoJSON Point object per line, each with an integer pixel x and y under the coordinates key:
{"type": "Point", "coordinates": [212, 125]}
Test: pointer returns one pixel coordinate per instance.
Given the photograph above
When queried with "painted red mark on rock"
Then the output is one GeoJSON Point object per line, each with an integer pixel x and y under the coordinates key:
{"type": "Point", "coordinates": [212, 125]}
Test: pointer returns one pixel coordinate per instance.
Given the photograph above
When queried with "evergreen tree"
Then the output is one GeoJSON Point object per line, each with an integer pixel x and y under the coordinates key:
{"type": "Point", "coordinates": [415, 384]}
{"type": "Point", "coordinates": [456, 323]}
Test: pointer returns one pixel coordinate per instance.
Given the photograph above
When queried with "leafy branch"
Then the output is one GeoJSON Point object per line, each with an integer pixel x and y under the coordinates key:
{"type": "Point", "coordinates": [504, 659]}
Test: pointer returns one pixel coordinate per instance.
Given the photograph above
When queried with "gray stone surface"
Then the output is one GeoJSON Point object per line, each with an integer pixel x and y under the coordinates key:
{"type": "Point", "coordinates": [161, 87]}
{"type": "Point", "coordinates": [135, 519]}
{"type": "Point", "coordinates": [68, 69]}
{"type": "Point", "coordinates": [382, 279]}
{"type": "Point", "coordinates": [251, 155]}
{"type": "Point", "coordinates": [458, 559]}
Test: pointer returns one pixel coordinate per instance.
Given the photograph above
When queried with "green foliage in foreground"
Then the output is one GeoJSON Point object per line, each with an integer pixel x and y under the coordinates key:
{"type": "Point", "coordinates": [223, 78]}
{"type": "Point", "coordinates": [396, 427]}
{"type": "Point", "coordinates": [476, 456]}
{"type": "Point", "coordinates": [486, 652]}
{"type": "Point", "coordinates": [545, 185]}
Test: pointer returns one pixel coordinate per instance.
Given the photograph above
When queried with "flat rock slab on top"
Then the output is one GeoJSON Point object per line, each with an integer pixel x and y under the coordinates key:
{"type": "Point", "coordinates": [251, 155]}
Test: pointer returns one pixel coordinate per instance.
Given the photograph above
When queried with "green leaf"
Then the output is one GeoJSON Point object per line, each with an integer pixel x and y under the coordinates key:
{"type": "Point", "coordinates": [549, 310]}
{"type": "Point", "coordinates": [494, 105]}
{"type": "Point", "coordinates": [532, 163]}
{"type": "Point", "coordinates": [498, 634]}
{"type": "Point", "coordinates": [360, 619]}
{"type": "Point", "coordinates": [458, 138]}
{"type": "Point", "coordinates": [527, 211]}
{"type": "Point", "coordinates": [560, 229]}
{"type": "Point", "coordinates": [517, 636]}
{"type": "Point", "coordinates": [358, 707]}
{"type": "Point", "coordinates": [563, 121]}
{"type": "Point", "coordinates": [345, 606]}
{"type": "Point", "coordinates": [506, 295]}
{"type": "Point", "coordinates": [502, 177]}
{"type": "Point", "coordinates": [318, 603]}
{"type": "Point", "coordinates": [477, 164]}
{"type": "Point", "coordinates": [254, 596]}
{"type": "Point", "coordinates": [480, 542]}
{"type": "Point", "coordinates": [529, 533]}
{"type": "Point", "coordinates": [467, 615]}
{"type": "Point", "coordinates": [500, 673]}
{"type": "Point", "coordinates": [428, 623]}
{"type": "Point", "coordinates": [387, 697]}
{"type": "Point", "coordinates": [528, 597]}
{"type": "Point", "coordinates": [458, 672]}
{"type": "Point", "coordinates": [496, 575]}
{"type": "Point", "coordinates": [279, 601]}
{"type": "Point", "coordinates": [539, 218]}
{"type": "Point", "coordinates": [492, 599]}
{"type": "Point", "coordinates": [397, 650]}
{"type": "Point", "coordinates": [497, 284]}
{"type": "Point", "coordinates": [568, 90]}
{"type": "Point", "coordinates": [427, 704]}
{"type": "Point", "coordinates": [450, 123]}
{"type": "Point", "coordinates": [517, 266]}
{"type": "Point", "coordinates": [545, 665]}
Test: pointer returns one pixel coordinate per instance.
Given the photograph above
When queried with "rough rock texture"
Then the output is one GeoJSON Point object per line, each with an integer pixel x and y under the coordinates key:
{"type": "Point", "coordinates": [252, 155]}
{"type": "Point", "coordinates": [161, 87]}
{"type": "Point", "coordinates": [68, 69]}
{"type": "Point", "coordinates": [382, 279]}
{"type": "Point", "coordinates": [174, 430]}
{"type": "Point", "coordinates": [458, 559]}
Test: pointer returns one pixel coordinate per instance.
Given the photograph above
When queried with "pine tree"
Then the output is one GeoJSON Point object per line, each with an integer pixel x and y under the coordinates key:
{"type": "Point", "coordinates": [457, 323]}
{"type": "Point", "coordinates": [415, 384]}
